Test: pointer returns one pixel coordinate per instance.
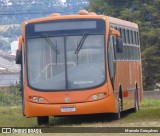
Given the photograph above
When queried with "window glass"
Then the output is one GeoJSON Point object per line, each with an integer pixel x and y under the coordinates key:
{"type": "Point", "coordinates": [48, 70]}
{"type": "Point", "coordinates": [129, 53]}
{"type": "Point", "coordinates": [138, 38]}
{"type": "Point", "coordinates": [111, 60]}
{"type": "Point", "coordinates": [128, 37]}
{"type": "Point", "coordinates": [55, 26]}
{"type": "Point", "coordinates": [125, 53]}
{"type": "Point", "coordinates": [134, 38]}
{"type": "Point", "coordinates": [138, 53]}
{"type": "Point", "coordinates": [86, 68]}
{"type": "Point", "coordinates": [132, 41]}
{"type": "Point", "coordinates": [124, 35]}
{"type": "Point", "coordinates": [132, 52]}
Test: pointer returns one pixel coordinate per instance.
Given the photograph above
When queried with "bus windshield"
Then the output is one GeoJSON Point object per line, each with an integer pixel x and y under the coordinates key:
{"type": "Point", "coordinates": [62, 68]}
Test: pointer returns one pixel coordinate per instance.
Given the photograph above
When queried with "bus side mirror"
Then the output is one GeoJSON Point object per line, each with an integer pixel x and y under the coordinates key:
{"type": "Point", "coordinates": [19, 52]}
{"type": "Point", "coordinates": [119, 42]}
{"type": "Point", "coordinates": [119, 45]}
{"type": "Point", "coordinates": [18, 57]}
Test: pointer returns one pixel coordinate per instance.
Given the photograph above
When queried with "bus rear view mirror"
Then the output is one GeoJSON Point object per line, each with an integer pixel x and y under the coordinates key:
{"type": "Point", "coordinates": [19, 52]}
{"type": "Point", "coordinates": [119, 42]}
{"type": "Point", "coordinates": [114, 32]}
{"type": "Point", "coordinates": [18, 57]}
{"type": "Point", "coordinates": [119, 45]}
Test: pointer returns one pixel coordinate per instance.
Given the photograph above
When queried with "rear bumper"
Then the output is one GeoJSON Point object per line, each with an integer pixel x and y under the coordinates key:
{"type": "Point", "coordinates": [106, 105]}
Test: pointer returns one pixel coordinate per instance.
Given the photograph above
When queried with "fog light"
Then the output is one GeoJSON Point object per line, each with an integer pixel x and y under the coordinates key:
{"type": "Point", "coordinates": [35, 99]}
{"type": "Point", "coordinates": [100, 95]}
{"type": "Point", "coordinates": [94, 97]}
{"type": "Point", "coordinates": [40, 99]}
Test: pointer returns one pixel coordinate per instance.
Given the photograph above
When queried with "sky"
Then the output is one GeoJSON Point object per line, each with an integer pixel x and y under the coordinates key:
{"type": "Point", "coordinates": [63, 1]}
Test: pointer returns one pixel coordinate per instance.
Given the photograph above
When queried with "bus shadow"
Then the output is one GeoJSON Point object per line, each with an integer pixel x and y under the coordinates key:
{"type": "Point", "coordinates": [86, 119]}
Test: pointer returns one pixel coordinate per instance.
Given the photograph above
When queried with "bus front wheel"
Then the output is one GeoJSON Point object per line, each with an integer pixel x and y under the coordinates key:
{"type": "Point", "coordinates": [43, 120]}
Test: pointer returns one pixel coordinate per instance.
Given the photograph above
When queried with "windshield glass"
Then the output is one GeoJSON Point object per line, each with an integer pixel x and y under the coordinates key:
{"type": "Point", "coordinates": [66, 69]}
{"type": "Point", "coordinates": [66, 54]}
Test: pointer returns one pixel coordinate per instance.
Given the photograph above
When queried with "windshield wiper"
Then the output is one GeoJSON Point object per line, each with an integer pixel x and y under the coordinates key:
{"type": "Point", "coordinates": [79, 46]}
{"type": "Point", "coordinates": [50, 43]}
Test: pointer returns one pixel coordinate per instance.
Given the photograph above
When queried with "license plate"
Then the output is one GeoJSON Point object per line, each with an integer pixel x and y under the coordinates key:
{"type": "Point", "coordinates": [68, 109]}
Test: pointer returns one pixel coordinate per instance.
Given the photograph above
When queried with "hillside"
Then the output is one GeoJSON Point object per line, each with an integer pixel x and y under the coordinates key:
{"type": "Point", "coordinates": [17, 11]}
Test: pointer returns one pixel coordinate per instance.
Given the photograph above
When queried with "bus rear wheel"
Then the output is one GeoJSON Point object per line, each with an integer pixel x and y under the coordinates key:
{"type": "Point", "coordinates": [43, 120]}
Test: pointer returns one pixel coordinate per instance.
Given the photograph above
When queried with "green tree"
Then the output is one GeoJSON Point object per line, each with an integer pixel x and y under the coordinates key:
{"type": "Point", "coordinates": [146, 13]}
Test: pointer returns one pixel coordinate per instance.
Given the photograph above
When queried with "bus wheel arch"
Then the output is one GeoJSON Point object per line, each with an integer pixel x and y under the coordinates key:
{"type": "Point", "coordinates": [136, 100]}
{"type": "Point", "coordinates": [119, 103]}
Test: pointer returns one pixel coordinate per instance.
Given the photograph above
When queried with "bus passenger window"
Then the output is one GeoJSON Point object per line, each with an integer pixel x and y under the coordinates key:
{"type": "Point", "coordinates": [128, 39]}
{"type": "Point", "coordinates": [125, 52]}
{"type": "Point", "coordinates": [138, 53]}
{"type": "Point", "coordinates": [138, 38]}
{"type": "Point", "coordinates": [134, 37]}
{"type": "Point", "coordinates": [119, 56]}
{"type": "Point", "coordinates": [135, 57]}
{"type": "Point", "coordinates": [124, 36]}
{"type": "Point", "coordinates": [129, 53]}
{"type": "Point", "coordinates": [114, 44]}
{"type": "Point", "coordinates": [132, 41]}
{"type": "Point", "coordinates": [132, 52]}
{"type": "Point", "coordinates": [121, 34]}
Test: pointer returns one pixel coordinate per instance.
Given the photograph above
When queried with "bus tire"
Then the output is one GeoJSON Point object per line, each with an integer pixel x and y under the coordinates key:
{"type": "Point", "coordinates": [136, 102]}
{"type": "Point", "coordinates": [42, 120]}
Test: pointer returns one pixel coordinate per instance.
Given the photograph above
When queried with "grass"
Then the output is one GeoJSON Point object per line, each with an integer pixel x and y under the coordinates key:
{"type": "Point", "coordinates": [10, 97]}
{"type": "Point", "coordinates": [12, 117]}
{"type": "Point", "coordinates": [150, 103]}
{"type": "Point", "coordinates": [148, 115]}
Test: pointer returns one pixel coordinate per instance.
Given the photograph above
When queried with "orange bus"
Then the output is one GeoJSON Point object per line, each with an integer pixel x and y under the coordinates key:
{"type": "Point", "coordinates": [79, 64]}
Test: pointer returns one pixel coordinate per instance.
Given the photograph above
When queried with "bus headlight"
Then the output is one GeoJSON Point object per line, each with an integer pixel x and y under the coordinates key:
{"type": "Point", "coordinates": [35, 99]}
{"type": "Point", "coordinates": [100, 95]}
{"type": "Point", "coordinates": [40, 99]}
{"type": "Point", "coordinates": [94, 97]}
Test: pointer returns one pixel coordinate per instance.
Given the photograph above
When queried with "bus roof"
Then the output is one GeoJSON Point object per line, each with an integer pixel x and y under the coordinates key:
{"type": "Point", "coordinates": [122, 22]}
{"type": "Point", "coordinates": [86, 14]}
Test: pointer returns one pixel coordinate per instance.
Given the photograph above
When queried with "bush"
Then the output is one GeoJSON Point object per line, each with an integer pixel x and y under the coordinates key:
{"type": "Point", "coordinates": [10, 98]}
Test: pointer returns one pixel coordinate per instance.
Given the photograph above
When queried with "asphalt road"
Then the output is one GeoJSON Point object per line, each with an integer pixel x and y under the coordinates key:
{"type": "Point", "coordinates": [151, 95]}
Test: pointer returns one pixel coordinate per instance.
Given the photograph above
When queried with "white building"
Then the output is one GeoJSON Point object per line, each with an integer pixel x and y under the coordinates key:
{"type": "Point", "coordinates": [14, 47]}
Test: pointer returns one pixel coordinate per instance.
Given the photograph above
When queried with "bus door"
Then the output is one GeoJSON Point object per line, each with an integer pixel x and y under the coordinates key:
{"type": "Point", "coordinates": [111, 61]}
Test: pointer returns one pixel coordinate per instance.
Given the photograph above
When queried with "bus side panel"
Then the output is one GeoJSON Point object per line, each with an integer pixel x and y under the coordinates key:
{"type": "Point", "coordinates": [126, 77]}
